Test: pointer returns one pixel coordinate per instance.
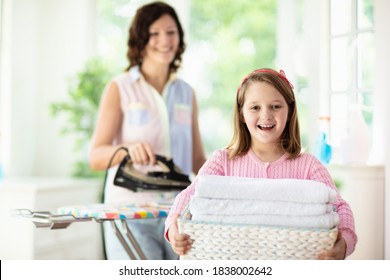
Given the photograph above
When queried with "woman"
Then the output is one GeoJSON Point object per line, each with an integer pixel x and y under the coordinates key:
{"type": "Point", "coordinates": [148, 111]}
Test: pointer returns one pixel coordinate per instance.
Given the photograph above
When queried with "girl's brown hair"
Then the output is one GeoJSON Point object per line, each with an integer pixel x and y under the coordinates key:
{"type": "Point", "coordinates": [139, 33]}
{"type": "Point", "coordinates": [290, 140]}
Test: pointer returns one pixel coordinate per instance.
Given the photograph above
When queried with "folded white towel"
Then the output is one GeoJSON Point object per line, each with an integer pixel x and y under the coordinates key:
{"type": "Point", "coordinates": [325, 221]}
{"type": "Point", "coordinates": [201, 205]}
{"type": "Point", "coordinates": [293, 190]}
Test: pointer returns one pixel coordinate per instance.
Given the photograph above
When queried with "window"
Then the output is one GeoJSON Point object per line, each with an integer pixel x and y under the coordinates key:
{"type": "Point", "coordinates": [222, 49]}
{"type": "Point", "coordinates": [352, 58]}
{"type": "Point", "coordinates": [1, 80]}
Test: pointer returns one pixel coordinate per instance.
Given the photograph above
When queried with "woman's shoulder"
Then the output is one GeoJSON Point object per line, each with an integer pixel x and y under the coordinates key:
{"type": "Point", "coordinates": [126, 81]}
{"type": "Point", "coordinates": [181, 81]}
{"type": "Point", "coordinates": [127, 77]}
{"type": "Point", "coordinates": [180, 91]}
{"type": "Point", "coordinates": [182, 85]}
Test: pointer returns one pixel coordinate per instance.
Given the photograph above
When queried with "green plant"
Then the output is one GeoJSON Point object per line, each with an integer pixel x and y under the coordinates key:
{"type": "Point", "coordinates": [85, 89]}
{"type": "Point", "coordinates": [338, 183]}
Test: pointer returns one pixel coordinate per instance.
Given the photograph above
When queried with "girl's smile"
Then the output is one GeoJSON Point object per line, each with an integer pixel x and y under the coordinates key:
{"type": "Point", "coordinates": [266, 126]}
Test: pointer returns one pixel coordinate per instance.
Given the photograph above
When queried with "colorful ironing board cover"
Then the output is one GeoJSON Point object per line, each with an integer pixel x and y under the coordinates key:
{"type": "Point", "coordinates": [110, 212]}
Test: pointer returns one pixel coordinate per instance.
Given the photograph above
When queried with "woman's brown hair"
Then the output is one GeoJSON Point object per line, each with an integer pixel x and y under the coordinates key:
{"type": "Point", "coordinates": [139, 33]}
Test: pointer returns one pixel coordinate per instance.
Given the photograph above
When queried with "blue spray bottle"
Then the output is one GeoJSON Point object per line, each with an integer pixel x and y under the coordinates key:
{"type": "Point", "coordinates": [323, 150]}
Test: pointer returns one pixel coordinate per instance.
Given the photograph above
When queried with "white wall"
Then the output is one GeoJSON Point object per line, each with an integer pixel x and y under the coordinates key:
{"type": "Point", "coordinates": [45, 42]}
{"type": "Point", "coordinates": [382, 37]}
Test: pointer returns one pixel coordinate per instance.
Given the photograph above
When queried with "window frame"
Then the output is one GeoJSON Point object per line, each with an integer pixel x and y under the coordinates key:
{"type": "Point", "coordinates": [352, 93]}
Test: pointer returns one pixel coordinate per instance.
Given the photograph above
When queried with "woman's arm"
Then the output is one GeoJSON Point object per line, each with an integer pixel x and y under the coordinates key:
{"type": "Point", "coordinates": [198, 154]}
{"type": "Point", "coordinates": [108, 123]}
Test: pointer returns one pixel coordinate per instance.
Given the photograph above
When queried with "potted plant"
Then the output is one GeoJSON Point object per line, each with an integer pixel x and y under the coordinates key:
{"type": "Point", "coordinates": [85, 90]}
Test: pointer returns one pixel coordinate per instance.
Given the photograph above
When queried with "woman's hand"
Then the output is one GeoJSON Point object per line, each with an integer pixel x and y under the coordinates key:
{"type": "Point", "coordinates": [142, 153]}
{"type": "Point", "coordinates": [337, 252]}
{"type": "Point", "coordinates": [180, 243]}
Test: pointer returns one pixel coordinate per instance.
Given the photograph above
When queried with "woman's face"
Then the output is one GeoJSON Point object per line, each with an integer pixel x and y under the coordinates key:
{"type": "Point", "coordinates": [163, 41]}
{"type": "Point", "coordinates": [265, 113]}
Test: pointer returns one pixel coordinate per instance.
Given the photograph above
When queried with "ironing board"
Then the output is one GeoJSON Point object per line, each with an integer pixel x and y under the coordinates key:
{"type": "Point", "coordinates": [99, 213]}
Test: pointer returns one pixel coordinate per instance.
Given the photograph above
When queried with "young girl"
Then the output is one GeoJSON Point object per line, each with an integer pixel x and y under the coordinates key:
{"type": "Point", "coordinates": [266, 144]}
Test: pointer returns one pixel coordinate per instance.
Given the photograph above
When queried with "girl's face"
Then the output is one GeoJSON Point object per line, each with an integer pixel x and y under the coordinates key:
{"type": "Point", "coordinates": [265, 113]}
{"type": "Point", "coordinates": [163, 41]}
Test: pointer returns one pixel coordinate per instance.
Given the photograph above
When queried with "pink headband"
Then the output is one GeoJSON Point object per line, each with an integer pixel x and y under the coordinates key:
{"type": "Point", "coordinates": [281, 74]}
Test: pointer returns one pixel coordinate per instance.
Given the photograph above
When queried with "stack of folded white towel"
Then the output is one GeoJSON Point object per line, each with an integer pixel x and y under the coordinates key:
{"type": "Point", "coordinates": [271, 202]}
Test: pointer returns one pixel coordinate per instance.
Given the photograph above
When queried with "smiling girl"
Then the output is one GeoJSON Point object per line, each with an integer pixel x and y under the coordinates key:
{"type": "Point", "coordinates": [266, 144]}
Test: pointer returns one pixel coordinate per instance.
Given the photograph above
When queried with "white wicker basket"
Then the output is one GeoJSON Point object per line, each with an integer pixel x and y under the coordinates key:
{"type": "Point", "coordinates": [214, 241]}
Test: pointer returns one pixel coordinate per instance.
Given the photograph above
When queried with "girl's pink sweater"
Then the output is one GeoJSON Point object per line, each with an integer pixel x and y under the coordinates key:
{"type": "Point", "coordinates": [305, 166]}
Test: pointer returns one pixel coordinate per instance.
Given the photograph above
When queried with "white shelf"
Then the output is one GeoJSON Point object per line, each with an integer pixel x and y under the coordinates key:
{"type": "Point", "coordinates": [363, 189]}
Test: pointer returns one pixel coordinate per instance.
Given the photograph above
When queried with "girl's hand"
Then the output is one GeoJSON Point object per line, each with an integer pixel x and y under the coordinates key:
{"type": "Point", "coordinates": [180, 243]}
{"type": "Point", "coordinates": [142, 153]}
{"type": "Point", "coordinates": [337, 252]}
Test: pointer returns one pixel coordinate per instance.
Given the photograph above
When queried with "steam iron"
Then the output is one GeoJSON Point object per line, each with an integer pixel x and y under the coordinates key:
{"type": "Point", "coordinates": [169, 179]}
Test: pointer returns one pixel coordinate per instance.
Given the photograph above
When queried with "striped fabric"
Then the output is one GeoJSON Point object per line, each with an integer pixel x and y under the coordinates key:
{"type": "Point", "coordinates": [109, 212]}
